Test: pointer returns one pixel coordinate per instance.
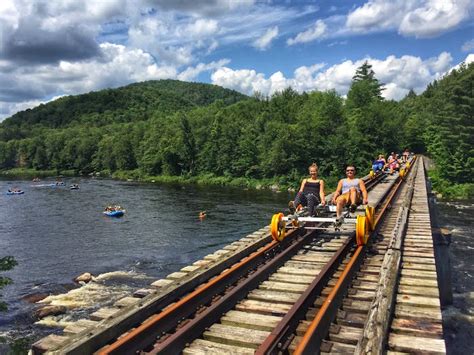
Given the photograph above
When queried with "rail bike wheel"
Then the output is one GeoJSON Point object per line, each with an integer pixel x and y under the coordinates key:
{"type": "Point", "coordinates": [402, 172]}
{"type": "Point", "coordinates": [408, 165]}
{"type": "Point", "coordinates": [370, 214]}
{"type": "Point", "coordinates": [277, 227]}
{"type": "Point", "coordinates": [372, 174]}
{"type": "Point", "coordinates": [362, 232]}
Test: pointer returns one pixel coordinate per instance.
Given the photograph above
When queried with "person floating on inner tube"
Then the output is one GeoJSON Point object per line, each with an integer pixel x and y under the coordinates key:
{"type": "Point", "coordinates": [311, 192]}
{"type": "Point", "coordinates": [348, 192]}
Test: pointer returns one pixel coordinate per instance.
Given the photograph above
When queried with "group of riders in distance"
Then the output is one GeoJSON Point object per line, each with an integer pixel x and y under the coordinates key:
{"type": "Point", "coordinates": [350, 191]}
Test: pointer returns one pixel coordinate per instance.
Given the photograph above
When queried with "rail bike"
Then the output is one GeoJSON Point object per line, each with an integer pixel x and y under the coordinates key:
{"type": "Point", "coordinates": [326, 217]}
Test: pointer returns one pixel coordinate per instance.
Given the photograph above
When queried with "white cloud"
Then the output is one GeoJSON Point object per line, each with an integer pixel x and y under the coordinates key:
{"type": "Point", "coordinates": [191, 73]}
{"type": "Point", "coordinates": [379, 14]}
{"type": "Point", "coordinates": [434, 18]}
{"type": "Point", "coordinates": [399, 74]}
{"type": "Point", "coordinates": [311, 34]}
{"type": "Point", "coordinates": [468, 46]}
{"type": "Point", "coordinates": [264, 42]}
{"type": "Point", "coordinates": [418, 18]}
{"type": "Point", "coordinates": [202, 28]}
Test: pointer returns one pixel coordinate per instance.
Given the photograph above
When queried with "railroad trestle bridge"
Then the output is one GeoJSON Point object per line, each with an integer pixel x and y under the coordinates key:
{"type": "Point", "coordinates": [317, 291]}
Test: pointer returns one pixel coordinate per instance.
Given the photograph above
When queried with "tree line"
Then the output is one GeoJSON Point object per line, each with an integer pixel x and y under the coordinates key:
{"type": "Point", "coordinates": [187, 129]}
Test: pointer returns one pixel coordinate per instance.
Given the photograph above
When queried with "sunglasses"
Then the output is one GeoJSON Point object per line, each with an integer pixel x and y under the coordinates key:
{"type": "Point", "coordinates": [350, 171]}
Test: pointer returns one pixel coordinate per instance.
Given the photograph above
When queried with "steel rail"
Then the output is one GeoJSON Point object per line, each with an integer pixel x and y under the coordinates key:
{"type": "Point", "coordinates": [319, 327]}
{"type": "Point", "coordinates": [165, 321]}
{"type": "Point", "coordinates": [158, 324]}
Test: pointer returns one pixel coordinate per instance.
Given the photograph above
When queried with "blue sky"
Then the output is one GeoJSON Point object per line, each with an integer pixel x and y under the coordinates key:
{"type": "Point", "coordinates": [65, 47]}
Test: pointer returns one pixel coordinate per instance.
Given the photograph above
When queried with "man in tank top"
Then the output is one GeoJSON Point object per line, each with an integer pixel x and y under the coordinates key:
{"type": "Point", "coordinates": [349, 192]}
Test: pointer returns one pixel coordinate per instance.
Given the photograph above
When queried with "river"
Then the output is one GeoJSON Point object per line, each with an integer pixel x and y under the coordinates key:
{"type": "Point", "coordinates": [55, 234]}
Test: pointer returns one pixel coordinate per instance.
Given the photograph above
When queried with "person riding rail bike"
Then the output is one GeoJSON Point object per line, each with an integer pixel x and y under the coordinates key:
{"type": "Point", "coordinates": [350, 191]}
{"type": "Point", "coordinates": [311, 192]}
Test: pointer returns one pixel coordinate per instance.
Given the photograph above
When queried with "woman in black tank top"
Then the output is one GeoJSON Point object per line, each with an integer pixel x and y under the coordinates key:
{"type": "Point", "coordinates": [311, 192]}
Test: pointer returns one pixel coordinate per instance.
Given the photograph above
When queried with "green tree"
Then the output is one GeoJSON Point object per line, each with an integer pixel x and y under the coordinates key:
{"type": "Point", "coordinates": [6, 263]}
{"type": "Point", "coordinates": [365, 88]}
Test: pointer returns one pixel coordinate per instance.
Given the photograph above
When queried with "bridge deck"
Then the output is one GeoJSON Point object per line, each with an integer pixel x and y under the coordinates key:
{"type": "Point", "coordinates": [416, 326]}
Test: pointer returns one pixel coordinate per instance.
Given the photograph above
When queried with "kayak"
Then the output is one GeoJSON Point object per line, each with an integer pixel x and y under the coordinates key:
{"type": "Point", "coordinates": [15, 192]}
{"type": "Point", "coordinates": [74, 187]}
{"type": "Point", "coordinates": [118, 213]}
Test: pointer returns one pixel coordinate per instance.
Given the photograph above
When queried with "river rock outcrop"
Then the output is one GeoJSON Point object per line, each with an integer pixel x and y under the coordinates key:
{"type": "Point", "coordinates": [85, 277]}
{"type": "Point", "coordinates": [49, 311]}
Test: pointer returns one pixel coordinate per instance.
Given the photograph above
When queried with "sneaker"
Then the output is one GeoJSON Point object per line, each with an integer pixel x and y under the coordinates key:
{"type": "Point", "coordinates": [353, 208]}
{"type": "Point", "coordinates": [291, 207]}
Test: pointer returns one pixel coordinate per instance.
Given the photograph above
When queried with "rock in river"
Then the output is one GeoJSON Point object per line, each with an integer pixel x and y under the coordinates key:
{"type": "Point", "coordinates": [49, 311]}
{"type": "Point", "coordinates": [85, 277]}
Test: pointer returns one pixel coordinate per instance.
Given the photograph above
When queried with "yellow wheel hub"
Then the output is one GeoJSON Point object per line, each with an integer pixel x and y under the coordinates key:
{"type": "Point", "coordinates": [277, 227]}
{"type": "Point", "coordinates": [362, 232]}
{"type": "Point", "coordinates": [370, 214]}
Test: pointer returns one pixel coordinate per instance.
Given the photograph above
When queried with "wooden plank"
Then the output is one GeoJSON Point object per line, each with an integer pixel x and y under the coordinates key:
{"type": "Point", "coordinates": [414, 344]}
{"type": "Point", "coordinates": [313, 257]}
{"type": "Point", "coordinates": [103, 313]}
{"type": "Point", "coordinates": [418, 291]}
{"type": "Point", "coordinates": [79, 326]}
{"type": "Point", "coordinates": [190, 268]}
{"type": "Point", "coordinates": [126, 301]}
{"type": "Point", "coordinates": [418, 301]}
{"type": "Point", "coordinates": [162, 283]}
{"type": "Point", "coordinates": [412, 312]}
{"type": "Point", "coordinates": [273, 296]}
{"type": "Point", "coordinates": [282, 287]}
{"type": "Point", "coordinates": [417, 327]}
{"type": "Point", "coordinates": [304, 265]}
{"type": "Point", "coordinates": [296, 271]}
{"type": "Point", "coordinates": [236, 336]}
{"type": "Point", "coordinates": [417, 266]}
{"type": "Point", "coordinates": [176, 275]}
{"type": "Point", "coordinates": [418, 260]}
{"type": "Point", "coordinates": [344, 334]}
{"type": "Point", "coordinates": [262, 307]}
{"type": "Point", "coordinates": [419, 274]}
{"type": "Point", "coordinates": [250, 320]}
{"type": "Point", "coordinates": [410, 281]}
{"type": "Point", "coordinates": [296, 279]}
{"type": "Point", "coordinates": [204, 347]}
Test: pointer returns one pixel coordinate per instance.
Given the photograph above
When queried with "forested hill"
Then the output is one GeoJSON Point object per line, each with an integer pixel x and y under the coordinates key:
{"type": "Point", "coordinates": [135, 102]}
{"type": "Point", "coordinates": [185, 130]}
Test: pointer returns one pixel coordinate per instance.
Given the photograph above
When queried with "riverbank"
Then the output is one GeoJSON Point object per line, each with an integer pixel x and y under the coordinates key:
{"type": "Point", "coordinates": [277, 184]}
{"type": "Point", "coordinates": [449, 191]}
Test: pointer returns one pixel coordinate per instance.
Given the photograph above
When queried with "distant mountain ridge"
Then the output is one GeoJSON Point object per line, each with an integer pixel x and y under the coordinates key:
{"type": "Point", "coordinates": [134, 102]}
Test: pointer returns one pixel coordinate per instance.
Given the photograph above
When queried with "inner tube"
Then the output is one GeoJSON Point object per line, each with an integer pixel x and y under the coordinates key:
{"type": "Point", "coordinates": [118, 213]}
{"type": "Point", "coordinates": [15, 192]}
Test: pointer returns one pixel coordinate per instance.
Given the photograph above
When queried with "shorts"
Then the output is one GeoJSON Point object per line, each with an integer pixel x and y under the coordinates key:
{"type": "Point", "coordinates": [346, 196]}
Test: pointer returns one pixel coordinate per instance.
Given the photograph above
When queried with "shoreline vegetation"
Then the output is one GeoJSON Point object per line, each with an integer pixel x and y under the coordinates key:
{"type": "Point", "coordinates": [443, 188]}
{"type": "Point", "coordinates": [277, 184]}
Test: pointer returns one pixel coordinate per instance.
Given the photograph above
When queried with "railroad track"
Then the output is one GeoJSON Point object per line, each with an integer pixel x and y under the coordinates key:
{"type": "Point", "coordinates": [237, 310]}
{"type": "Point", "coordinates": [314, 290]}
